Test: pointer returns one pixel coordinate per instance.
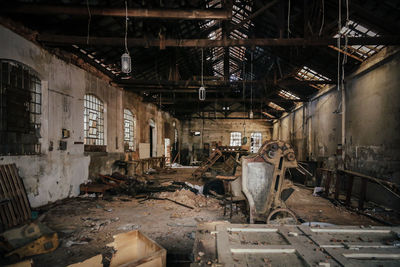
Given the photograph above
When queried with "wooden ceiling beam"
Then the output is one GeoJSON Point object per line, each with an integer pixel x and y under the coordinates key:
{"type": "Point", "coordinates": [185, 84]}
{"type": "Point", "coordinates": [174, 101]}
{"type": "Point", "coordinates": [66, 40]}
{"type": "Point", "coordinates": [196, 14]}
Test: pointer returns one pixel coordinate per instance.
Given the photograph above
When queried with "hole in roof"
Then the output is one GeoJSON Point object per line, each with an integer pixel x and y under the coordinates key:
{"type": "Point", "coordinates": [287, 95]}
{"type": "Point", "coordinates": [275, 106]}
{"type": "Point", "coordinates": [305, 73]}
{"type": "Point", "coordinates": [354, 29]}
{"type": "Point", "coordinates": [236, 54]}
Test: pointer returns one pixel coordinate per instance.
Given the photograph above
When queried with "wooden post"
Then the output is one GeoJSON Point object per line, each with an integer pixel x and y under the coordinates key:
{"type": "Point", "coordinates": [363, 192]}
{"type": "Point", "coordinates": [328, 182]}
{"type": "Point", "coordinates": [350, 181]}
{"type": "Point", "coordinates": [337, 185]}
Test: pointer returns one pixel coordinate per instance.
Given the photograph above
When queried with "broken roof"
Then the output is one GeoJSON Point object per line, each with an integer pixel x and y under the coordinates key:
{"type": "Point", "coordinates": [286, 65]}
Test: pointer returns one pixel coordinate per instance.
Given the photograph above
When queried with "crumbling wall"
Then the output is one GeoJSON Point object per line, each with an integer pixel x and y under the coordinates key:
{"type": "Point", "coordinates": [219, 130]}
{"type": "Point", "coordinates": [372, 123]}
{"type": "Point", "coordinates": [57, 173]}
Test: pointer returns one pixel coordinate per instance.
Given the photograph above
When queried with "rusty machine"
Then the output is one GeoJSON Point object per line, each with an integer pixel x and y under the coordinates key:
{"type": "Point", "coordinates": [263, 179]}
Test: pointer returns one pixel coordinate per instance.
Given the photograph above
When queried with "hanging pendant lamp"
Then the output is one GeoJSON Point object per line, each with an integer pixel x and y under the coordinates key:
{"type": "Point", "coordinates": [126, 62]}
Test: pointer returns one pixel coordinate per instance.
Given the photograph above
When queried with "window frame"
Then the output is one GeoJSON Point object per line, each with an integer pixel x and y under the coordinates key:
{"type": "Point", "coordinates": [235, 139]}
{"type": "Point", "coordinates": [253, 136]}
{"type": "Point", "coordinates": [131, 131]}
{"type": "Point", "coordinates": [21, 86]}
{"type": "Point", "coordinates": [94, 105]}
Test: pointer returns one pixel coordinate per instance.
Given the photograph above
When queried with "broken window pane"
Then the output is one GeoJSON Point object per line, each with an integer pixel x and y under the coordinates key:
{"type": "Point", "coordinates": [93, 121]}
{"type": "Point", "coordinates": [129, 130]}
{"type": "Point", "coordinates": [20, 109]}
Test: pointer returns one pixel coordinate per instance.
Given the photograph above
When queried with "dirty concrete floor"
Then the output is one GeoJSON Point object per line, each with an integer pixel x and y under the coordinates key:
{"type": "Point", "coordinates": [311, 208]}
{"type": "Point", "coordinates": [95, 221]}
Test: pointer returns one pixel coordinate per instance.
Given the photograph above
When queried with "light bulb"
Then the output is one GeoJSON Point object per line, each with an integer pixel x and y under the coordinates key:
{"type": "Point", "coordinates": [202, 93]}
{"type": "Point", "coordinates": [126, 63]}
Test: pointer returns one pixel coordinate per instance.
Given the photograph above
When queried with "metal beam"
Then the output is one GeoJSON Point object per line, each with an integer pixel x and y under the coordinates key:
{"type": "Point", "coordinates": [196, 14]}
{"type": "Point", "coordinates": [66, 40]}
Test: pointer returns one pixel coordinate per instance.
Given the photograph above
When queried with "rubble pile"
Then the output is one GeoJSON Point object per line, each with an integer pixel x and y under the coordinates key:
{"type": "Point", "coordinates": [189, 198]}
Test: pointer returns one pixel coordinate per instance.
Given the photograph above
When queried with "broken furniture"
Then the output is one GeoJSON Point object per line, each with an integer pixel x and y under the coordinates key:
{"type": "Point", "coordinates": [140, 166]}
{"type": "Point", "coordinates": [204, 166]}
{"type": "Point", "coordinates": [94, 188]}
{"type": "Point", "coordinates": [14, 208]}
{"type": "Point", "coordinates": [263, 177]}
{"type": "Point", "coordinates": [231, 198]}
{"type": "Point", "coordinates": [225, 244]}
{"type": "Point", "coordinates": [28, 240]}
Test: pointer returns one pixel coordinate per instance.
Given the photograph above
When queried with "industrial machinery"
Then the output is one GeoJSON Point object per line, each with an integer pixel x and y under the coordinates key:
{"type": "Point", "coordinates": [263, 176]}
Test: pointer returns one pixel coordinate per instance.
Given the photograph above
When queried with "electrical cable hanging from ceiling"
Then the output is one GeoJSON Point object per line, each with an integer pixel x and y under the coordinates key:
{"type": "Point", "coordinates": [344, 61]}
{"type": "Point", "coordinates": [323, 17]}
{"type": "Point", "coordinates": [126, 64]}
{"type": "Point", "coordinates": [244, 102]}
{"type": "Point", "coordinates": [288, 20]}
{"type": "Point", "coordinates": [251, 85]}
{"type": "Point", "coordinates": [89, 20]}
{"type": "Point", "coordinates": [202, 90]}
{"type": "Point", "coordinates": [338, 43]}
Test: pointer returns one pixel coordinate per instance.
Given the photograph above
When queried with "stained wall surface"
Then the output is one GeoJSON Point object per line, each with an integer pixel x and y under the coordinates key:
{"type": "Point", "coordinates": [371, 120]}
{"type": "Point", "coordinates": [55, 173]}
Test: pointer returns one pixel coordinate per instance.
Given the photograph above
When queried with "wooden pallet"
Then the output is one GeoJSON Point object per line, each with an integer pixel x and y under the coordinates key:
{"type": "Point", "coordinates": [14, 207]}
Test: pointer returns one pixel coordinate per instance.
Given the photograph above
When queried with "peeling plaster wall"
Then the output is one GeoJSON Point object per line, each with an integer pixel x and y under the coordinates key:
{"type": "Point", "coordinates": [54, 174]}
{"type": "Point", "coordinates": [57, 174]}
{"type": "Point", "coordinates": [372, 124]}
{"type": "Point", "coordinates": [219, 130]}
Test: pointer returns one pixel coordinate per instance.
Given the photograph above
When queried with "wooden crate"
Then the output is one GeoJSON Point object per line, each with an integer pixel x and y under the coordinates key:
{"type": "Point", "coordinates": [136, 249]}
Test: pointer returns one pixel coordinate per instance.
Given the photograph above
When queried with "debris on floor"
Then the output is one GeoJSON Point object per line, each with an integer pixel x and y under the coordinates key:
{"type": "Point", "coordinates": [28, 240]}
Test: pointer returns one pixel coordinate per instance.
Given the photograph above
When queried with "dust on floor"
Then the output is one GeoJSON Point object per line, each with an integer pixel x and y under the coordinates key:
{"type": "Point", "coordinates": [87, 225]}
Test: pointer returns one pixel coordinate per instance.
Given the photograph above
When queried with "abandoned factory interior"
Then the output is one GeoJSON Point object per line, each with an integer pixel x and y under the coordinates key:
{"type": "Point", "coordinates": [199, 133]}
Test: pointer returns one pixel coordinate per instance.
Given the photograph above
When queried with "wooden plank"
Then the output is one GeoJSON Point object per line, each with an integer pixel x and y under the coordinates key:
{"type": "Point", "coordinates": [194, 14]}
{"type": "Point", "coordinates": [6, 222]}
{"type": "Point", "coordinates": [223, 246]}
{"type": "Point", "coordinates": [363, 191]}
{"type": "Point", "coordinates": [7, 195]}
{"type": "Point", "coordinates": [337, 185]}
{"type": "Point", "coordinates": [349, 190]}
{"type": "Point", "coordinates": [328, 182]}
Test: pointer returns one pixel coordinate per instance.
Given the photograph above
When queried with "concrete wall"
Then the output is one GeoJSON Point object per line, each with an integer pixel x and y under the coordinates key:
{"type": "Point", "coordinates": [219, 130]}
{"type": "Point", "coordinates": [372, 123]}
{"type": "Point", "coordinates": [57, 174]}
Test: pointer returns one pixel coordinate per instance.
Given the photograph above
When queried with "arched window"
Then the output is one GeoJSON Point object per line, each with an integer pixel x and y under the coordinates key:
{"type": "Point", "coordinates": [129, 130]}
{"type": "Point", "coordinates": [20, 109]}
{"type": "Point", "coordinates": [93, 120]}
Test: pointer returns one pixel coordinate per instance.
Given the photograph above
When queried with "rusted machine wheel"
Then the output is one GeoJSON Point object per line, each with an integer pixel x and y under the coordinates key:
{"type": "Point", "coordinates": [282, 210]}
